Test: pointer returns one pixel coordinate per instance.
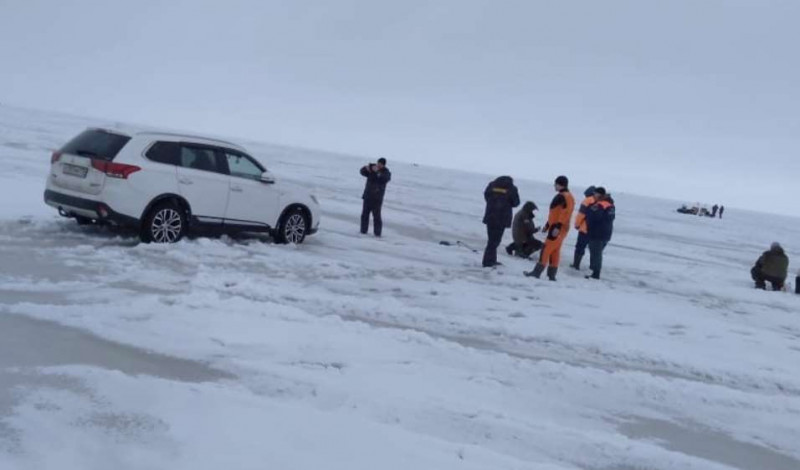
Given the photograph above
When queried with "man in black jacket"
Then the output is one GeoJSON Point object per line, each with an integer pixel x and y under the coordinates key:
{"type": "Point", "coordinates": [501, 197]}
{"type": "Point", "coordinates": [600, 222]}
{"type": "Point", "coordinates": [377, 176]}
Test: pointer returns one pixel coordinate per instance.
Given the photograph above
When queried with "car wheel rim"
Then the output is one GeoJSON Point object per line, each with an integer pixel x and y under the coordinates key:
{"type": "Point", "coordinates": [166, 226]}
{"type": "Point", "coordinates": [295, 228]}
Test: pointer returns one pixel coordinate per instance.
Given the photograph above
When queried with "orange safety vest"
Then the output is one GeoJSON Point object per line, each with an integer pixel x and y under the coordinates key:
{"type": "Point", "coordinates": [580, 219]}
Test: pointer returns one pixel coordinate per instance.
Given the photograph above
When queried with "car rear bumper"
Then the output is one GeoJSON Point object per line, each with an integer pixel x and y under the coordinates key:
{"type": "Point", "coordinates": [70, 206]}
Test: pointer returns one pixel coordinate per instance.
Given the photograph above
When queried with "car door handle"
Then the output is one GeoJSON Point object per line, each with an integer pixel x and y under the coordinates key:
{"type": "Point", "coordinates": [184, 181]}
{"type": "Point", "coordinates": [236, 189]}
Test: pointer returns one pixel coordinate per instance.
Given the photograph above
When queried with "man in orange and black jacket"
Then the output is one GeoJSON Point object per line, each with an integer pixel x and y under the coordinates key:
{"type": "Point", "coordinates": [600, 221]}
{"type": "Point", "coordinates": [556, 229]}
{"type": "Point", "coordinates": [582, 228]}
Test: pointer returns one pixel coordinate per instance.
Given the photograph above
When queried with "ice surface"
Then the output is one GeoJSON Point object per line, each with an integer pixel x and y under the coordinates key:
{"type": "Point", "coordinates": [355, 352]}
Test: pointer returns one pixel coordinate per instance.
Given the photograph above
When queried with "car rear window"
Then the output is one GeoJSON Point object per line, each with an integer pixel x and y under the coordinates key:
{"type": "Point", "coordinates": [165, 152]}
{"type": "Point", "coordinates": [95, 143]}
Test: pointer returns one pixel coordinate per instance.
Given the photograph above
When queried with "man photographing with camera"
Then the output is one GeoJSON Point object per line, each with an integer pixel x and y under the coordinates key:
{"type": "Point", "coordinates": [377, 176]}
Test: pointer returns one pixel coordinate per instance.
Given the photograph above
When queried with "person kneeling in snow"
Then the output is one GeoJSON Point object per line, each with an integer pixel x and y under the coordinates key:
{"type": "Point", "coordinates": [522, 229]}
{"type": "Point", "coordinates": [771, 267]}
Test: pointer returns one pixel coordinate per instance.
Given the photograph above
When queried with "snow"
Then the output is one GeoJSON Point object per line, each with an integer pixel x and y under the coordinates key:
{"type": "Point", "coordinates": [354, 352]}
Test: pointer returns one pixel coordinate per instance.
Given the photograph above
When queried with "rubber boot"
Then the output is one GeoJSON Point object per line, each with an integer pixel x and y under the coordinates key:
{"type": "Point", "coordinates": [537, 271]}
{"type": "Point", "coordinates": [594, 275]}
{"type": "Point", "coordinates": [551, 272]}
{"type": "Point", "coordinates": [577, 263]}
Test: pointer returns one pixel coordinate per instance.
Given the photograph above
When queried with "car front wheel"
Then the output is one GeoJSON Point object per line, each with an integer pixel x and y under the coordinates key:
{"type": "Point", "coordinates": [165, 223]}
{"type": "Point", "coordinates": [293, 227]}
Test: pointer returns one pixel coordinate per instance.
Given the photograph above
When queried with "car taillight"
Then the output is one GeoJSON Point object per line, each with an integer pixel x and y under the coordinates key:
{"type": "Point", "coordinates": [54, 158]}
{"type": "Point", "coordinates": [115, 170]}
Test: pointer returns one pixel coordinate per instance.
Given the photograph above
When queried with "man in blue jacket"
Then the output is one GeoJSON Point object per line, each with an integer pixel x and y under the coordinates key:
{"type": "Point", "coordinates": [600, 223]}
{"type": "Point", "coordinates": [501, 197]}
{"type": "Point", "coordinates": [377, 176]}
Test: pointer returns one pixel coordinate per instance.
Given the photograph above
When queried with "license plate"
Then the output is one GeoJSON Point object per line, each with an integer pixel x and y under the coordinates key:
{"type": "Point", "coordinates": [74, 170]}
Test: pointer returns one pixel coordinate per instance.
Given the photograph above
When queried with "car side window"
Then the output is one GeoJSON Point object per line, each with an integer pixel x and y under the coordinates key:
{"type": "Point", "coordinates": [201, 158]}
{"type": "Point", "coordinates": [164, 152]}
{"type": "Point", "coordinates": [242, 166]}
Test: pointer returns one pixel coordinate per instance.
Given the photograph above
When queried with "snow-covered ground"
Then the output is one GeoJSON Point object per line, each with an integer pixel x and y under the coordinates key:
{"type": "Point", "coordinates": [351, 352]}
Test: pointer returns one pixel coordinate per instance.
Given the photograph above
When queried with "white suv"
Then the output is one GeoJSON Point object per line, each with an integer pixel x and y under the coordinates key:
{"type": "Point", "coordinates": [165, 184]}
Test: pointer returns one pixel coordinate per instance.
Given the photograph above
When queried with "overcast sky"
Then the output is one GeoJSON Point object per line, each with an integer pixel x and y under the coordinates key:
{"type": "Point", "coordinates": [695, 100]}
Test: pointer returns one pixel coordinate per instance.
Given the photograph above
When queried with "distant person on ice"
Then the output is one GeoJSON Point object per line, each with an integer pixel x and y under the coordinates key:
{"type": "Point", "coordinates": [556, 229]}
{"type": "Point", "coordinates": [600, 222]}
{"type": "Point", "coordinates": [377, 176]}
{"type": "Point", "coordinates": [522, 229]}
{"type": "Point", "coordinates": [772, 267]}
{"type": "Point", "coordinates": [721, 210]}
{"type": "Point", "coordinates": [714, 210]}
{"type": "Point", "coordinates": [501, 197]}
{"type": "Point", "coordinates": [580, 226]}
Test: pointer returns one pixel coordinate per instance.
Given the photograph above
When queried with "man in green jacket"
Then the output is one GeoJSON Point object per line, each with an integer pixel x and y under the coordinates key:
{"type": "Point", "coordinates": [771, 267]}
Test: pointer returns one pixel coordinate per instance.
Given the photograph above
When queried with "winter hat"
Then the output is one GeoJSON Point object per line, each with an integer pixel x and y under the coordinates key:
{"type": "Point", "coordinates": [562, 181]}
{"type": "Point", "coordinates": [530, 206]}
{"type": "Point", "coordinates": [589, 191]}
{"type": "Point", "coordinates": [600, 190]}
{"type": "Point", "coordinates": [775, 246]}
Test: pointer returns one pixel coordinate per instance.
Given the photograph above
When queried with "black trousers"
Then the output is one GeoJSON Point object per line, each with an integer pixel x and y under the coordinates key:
{"type": "Point", "coordinates": [495, 235]}
{"type": "Point", "coordinates": [596, 248]}
{"type": "Point", "coordinates": [527, 248]}
{"type": "Point", "coordinates": [580, 246]}
{"type": "Point", "coordinates": [373, 207]}
{"type": "Point", "coordinates": [762, 280]}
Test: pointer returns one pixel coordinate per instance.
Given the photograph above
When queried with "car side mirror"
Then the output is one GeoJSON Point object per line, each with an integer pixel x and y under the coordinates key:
{"type": "Point", "coordinates": [267, 178]}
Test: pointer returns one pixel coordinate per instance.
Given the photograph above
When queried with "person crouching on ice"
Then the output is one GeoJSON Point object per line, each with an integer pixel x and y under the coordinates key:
{"type": "Point", "coordinates": [556, 228]}
{"type": "Point", "coordinates": [523, 228]}
{"type": "Point", "coordinates": [772, 267]}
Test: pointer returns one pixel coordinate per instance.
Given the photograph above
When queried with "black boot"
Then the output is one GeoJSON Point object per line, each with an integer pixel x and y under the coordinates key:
{"type": "Point", "coordinates": [551, 272]}
{"type": "Point", "coordinates": [537, 271]}
{"type": "Point", "coordinates": [594, 275]}
{"type": "Point", "coordinates": [510, 249]}
{"type": "Point", "coordinates": [577, 263]}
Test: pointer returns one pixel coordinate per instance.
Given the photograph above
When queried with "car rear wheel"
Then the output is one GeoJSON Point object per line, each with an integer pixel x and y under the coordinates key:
{"type": "Point", "coordinates": [293, 227]}
{"type": "Point", "coordinates": [165, 223]}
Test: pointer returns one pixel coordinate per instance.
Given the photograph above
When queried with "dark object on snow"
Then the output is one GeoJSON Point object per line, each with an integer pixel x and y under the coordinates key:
{"type": "Point", "coordinates": [797, 284]}
{"type": "Point", "coordinates": [714, 210]}
{"type": "Point", "coordinates": [458, 243]}
{"type": "Point", "coordinates": [377, 177]}
{"type": "Point", "coordinates": [721, 210]}
{"type": "Point", "coordinates": [501, 197]}
{"type": "Point", "coordinates": [771, 267]}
